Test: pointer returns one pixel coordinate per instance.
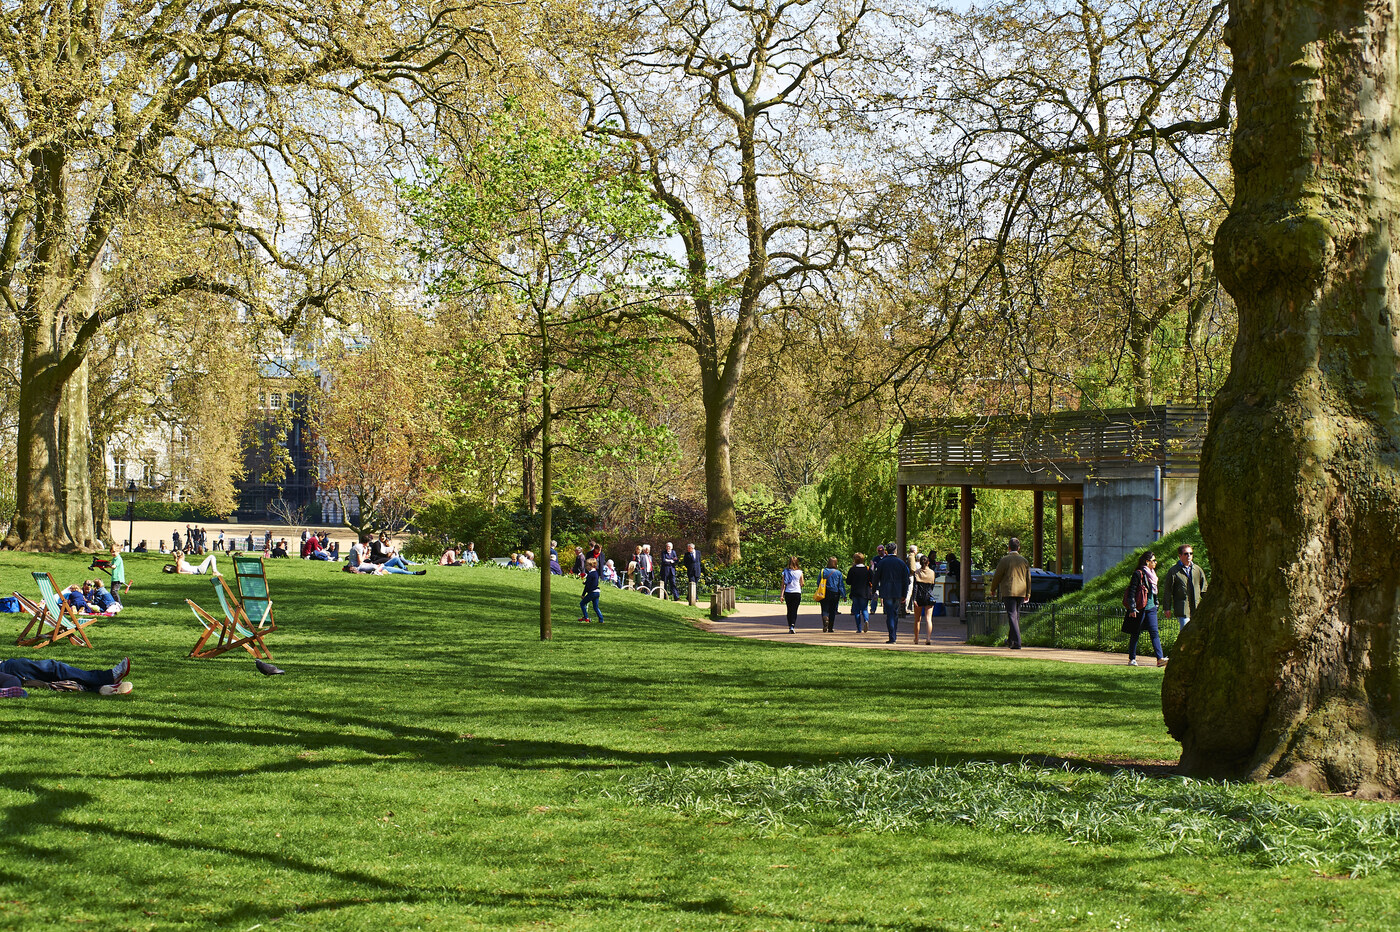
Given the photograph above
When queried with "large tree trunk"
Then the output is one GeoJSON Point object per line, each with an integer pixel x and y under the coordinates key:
{"type": "Point", "coordinates": [1291, 666]}
{"type": "Point", "coordinates": [722, 527]}
{"type": "Point", "coordinates": [44, 485]}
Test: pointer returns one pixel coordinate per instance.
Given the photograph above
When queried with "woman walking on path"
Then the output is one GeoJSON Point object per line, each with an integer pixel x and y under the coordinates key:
{"type": "Point", "coordinates": [590, 593]}
{"type": "Point", "coordinates": [792, 591]}
{"type": "Point", "coordinates": [1142, 593]}
{"type": "Point", "coordinates": [835, 589]}
{"type": "Point", "coordinates": [858, 581]}
{"type": "Point", "coordinates": [924, 580]}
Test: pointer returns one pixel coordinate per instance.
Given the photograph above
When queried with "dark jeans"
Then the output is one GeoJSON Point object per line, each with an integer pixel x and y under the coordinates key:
{"type": "Point", "coordinates": [793, 600]}
{"type": "Point", "coordinates": [50, 670]}
{"type": "Point", "coordinates": [1013, 620]}
{"type": "Point", "coordinates": [892, 609]}
{"type": "Point", "coordinates": [668, 582]}
{"type": "Point", "coordinates": [830, 606]}
{"type": "Point", "coordinates": [1146, 622]}
{"type": "Point", "coordinates": [590, 598]}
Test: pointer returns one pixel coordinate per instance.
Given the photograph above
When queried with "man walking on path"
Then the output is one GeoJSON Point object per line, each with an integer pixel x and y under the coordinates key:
{"type": "Point", "coordinates": [1186, 582]}
{"type": "Point", "coordinates": [1012, 582]}
{"type": "Point", "coordinates": [893, 576]}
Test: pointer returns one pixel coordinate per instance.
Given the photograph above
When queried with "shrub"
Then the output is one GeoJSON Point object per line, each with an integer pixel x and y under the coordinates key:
{"type": "Point", "coordinates": [163, 511]}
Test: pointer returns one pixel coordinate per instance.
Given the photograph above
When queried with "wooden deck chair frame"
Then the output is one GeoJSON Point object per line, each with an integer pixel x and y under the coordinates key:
{"type": "Point", "coordinates": [54, 619]}
{"type": "Point", "coordinates": [236, 628]}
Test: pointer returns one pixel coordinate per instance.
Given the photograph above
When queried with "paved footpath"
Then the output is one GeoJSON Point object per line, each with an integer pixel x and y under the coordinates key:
{"type": "Point", "coordinates": [767, 621]}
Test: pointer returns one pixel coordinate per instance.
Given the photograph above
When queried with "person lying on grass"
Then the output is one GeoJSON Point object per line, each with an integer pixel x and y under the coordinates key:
{"type": "Point", "coordinates": [17, 673]}
{"type": "Point", "coordinates": [210, 565]}
{"type": "Point", "coordinates": [359, 562]}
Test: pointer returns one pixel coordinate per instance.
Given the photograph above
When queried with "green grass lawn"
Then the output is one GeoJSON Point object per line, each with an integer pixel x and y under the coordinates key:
{"type": "Point", "coordinates": [429, 763]}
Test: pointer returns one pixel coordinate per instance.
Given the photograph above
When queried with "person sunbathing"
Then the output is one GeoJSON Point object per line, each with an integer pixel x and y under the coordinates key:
{"type": "Point", "coordinates": [182, 567]}
{"type": "Point", "coordinates": [17, 673]}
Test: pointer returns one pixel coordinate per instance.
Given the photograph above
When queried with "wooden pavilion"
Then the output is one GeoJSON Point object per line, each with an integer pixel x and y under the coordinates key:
{"type": "Point", "coordinates": [1124, 476]}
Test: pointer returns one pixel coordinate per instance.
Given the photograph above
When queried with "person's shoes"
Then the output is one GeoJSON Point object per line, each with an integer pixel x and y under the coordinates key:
{"type": "Point", "coordinates": [1132, 663]}
{"type": "Point", "coordinates": [792, 629]}
{"type": "Point", "coordinates": [119, 689]}
{"type": "Point", "coordinates": [1161, 661]}
{"type": "Point", "coordinates": [13, 692]}
{"type": "Point", "coordinates": [890, 641]}
{"type": "Point", "coordinates": [421, 573]}
{"type": "Point", "coordinates": [121, 670]}
{"type": "Point", "coordinates": [929, 643]}
{"type": "Point", "coordinates": [267, 669]}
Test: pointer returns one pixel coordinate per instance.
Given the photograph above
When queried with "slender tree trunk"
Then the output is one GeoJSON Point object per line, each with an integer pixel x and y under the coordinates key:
{"type": "Point", "coordinates": [1290, 668]}
{"type": "Point", "coordinates": [547, 504]}
{"type": "Point", "coordinates": [97, 481]}
{"type": "Point", "coordinates": [75, 445]}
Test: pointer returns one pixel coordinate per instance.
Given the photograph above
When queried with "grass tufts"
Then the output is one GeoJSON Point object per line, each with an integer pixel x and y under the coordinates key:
{"type": "Point", "coordinates": [1175, 816]}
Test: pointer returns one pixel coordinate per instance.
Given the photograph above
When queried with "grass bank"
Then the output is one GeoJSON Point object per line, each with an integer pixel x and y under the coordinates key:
{"type": "Point", "coordinates": [428, 763]}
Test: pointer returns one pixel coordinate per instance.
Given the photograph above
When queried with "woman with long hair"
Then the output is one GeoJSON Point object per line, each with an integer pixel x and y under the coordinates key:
{"type": "Point", "coordinates": [1142, 591]}
{"type": "Point", "coordinates": [792, 591]}
{"type": "Point", "coordinates": [924, 597]}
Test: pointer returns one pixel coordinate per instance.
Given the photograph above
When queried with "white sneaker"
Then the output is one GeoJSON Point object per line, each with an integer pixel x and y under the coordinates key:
{"type": "Point", "coordinates": [1132, 663]}
{"type": "Point", "coordinates": [121, 689]}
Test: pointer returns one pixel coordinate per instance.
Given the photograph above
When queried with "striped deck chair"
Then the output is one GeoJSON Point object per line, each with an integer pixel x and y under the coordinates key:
{"type": "Point", "coordinates": [53, 619]}
{"type": "Point", "coordinates": [247, 615]}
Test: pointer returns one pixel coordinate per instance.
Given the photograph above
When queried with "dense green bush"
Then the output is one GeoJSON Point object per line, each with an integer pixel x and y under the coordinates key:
{"type": "Point", "coordinates": [163, 511]}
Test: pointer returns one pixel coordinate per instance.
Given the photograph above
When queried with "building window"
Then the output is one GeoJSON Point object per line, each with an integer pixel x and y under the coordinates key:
{"type": "Point", "coordinates": [276, 401]}
{"type": "Point", "coordinates": [118, 473]}
{"type": "Point", "coordinates": [262, 399]}
{"type": "Point", "coordinates": [148, 474]}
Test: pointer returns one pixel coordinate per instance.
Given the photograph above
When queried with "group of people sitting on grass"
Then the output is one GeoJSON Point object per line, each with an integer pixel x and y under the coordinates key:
{"type": "Point", "coordinates": [466, 556]}
{"type": "Point", "coordinates": [91, 597]}
{"type": "Point", "coordinates": [378, 557]}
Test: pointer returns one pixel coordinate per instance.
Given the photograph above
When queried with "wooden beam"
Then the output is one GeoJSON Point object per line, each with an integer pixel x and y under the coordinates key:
{"type": "Point", "coordinates": [1038, 535]}
{"type": "Point", "coordinates": [965, 545]}
{"type": "Point", "coordinates": [1059, 533]}
{"type": "Point", "coordinates": [901, 517]}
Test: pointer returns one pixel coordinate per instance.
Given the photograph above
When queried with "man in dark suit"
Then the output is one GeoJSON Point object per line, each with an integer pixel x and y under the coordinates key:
{"type": "Point", "coordinates": [669, 560]}
{"type": "Point", "coordinates": [892, 573]}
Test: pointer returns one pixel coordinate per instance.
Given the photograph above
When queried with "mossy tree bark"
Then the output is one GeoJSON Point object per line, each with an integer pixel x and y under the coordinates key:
{"type": "Point", "coordinates": [1289, 668]}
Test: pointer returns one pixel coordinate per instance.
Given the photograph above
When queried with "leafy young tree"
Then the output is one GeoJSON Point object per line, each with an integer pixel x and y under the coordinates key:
{"type": "Point", "coordinates": [745, 130]}
{"type": "Point", "coordinates": [1289, 669]}
{"type": "Point", "coordinates": [233, 113]}
{"type": "Point", "coordinates": [553, 226]}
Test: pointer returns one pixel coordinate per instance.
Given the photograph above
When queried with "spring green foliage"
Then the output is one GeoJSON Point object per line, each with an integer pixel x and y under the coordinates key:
{"type": "Point", "coordinates": [426, 763]}
{"type": "Point", "coordinates": [1174, 816]}
{"type": "Point", "coordinates": [857, 504]}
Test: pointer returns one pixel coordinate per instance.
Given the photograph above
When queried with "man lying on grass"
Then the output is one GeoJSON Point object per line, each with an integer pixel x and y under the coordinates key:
{"type": "Point", "coordinates": [17, 673]}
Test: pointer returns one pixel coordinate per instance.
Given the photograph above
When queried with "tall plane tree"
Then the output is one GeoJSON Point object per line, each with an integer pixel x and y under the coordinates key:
{"type": "Point", "coordinates": [228, 110]}
{"type": "Point", "coordinates": [1290, 668]}
{"type": "Point", "coordinates": [741, 114]}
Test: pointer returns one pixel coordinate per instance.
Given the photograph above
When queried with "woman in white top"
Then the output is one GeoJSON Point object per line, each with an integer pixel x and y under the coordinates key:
{"type": "Point", "coordinates": [792, 591]}
{"type": "Point", "coordinates": [208, 566]}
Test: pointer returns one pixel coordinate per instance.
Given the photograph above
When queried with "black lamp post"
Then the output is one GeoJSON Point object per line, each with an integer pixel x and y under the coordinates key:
{"type": "Point", "coordinates": [131, 513]}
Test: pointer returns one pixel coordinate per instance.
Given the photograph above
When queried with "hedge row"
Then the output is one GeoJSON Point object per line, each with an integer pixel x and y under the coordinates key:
{"type": "Point", "coordinates": [163, 511]}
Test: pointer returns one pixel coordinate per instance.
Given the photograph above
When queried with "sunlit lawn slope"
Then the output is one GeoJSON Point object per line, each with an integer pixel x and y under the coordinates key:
{"type": "Point", "coordinates": [427, 762]}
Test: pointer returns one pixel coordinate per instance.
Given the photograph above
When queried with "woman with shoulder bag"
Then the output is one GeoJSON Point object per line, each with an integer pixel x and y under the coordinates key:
{"type": "Point", "coordinates": [924, 580]}
{"type": "Point", "coordinates": [1142, 594]}
{"type": "Point", "coordinates": [792, 591]}
{"type": "Point", "coordinates": [835, 585]}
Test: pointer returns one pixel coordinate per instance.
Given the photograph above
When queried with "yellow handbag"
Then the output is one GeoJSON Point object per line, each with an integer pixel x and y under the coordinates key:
{"type": "Point", "coordinates": [821, 588]}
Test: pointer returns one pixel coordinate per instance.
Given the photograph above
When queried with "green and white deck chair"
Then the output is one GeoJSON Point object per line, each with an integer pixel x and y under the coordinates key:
{"type": "Point", "coordinates": [53, 619]}
{"type": "Point", "coordinates": [247, 615]}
